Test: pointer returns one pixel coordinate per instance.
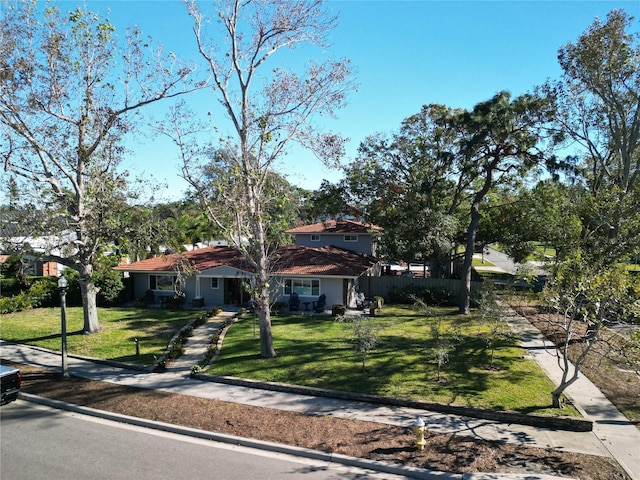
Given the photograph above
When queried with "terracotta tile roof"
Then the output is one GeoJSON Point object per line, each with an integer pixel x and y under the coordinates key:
{"type": "Point", "coordinates": [290, 260]}
{"type": "Point", "coordinates": [340, 226]}
{"type": "Point", "coordinates": [299, 260]}
{"type": "Point", "coordinates": [201, 259]}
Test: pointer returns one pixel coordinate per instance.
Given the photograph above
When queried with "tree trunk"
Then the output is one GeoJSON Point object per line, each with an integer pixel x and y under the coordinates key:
{"type": "Point", "coordinates": [564, 384]}
{"type": "Point", "coordinates": [262, 274]}
{"type": "Point", "coordinates": [465, 291]}
{"type": "Point", "coordinates": [264, 312]}
{"type": "Point", "coordinates": [89, 292]}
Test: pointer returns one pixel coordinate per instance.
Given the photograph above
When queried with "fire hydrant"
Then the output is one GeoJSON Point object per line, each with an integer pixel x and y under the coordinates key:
{"type": "Point", "coordinates": [419, 429]}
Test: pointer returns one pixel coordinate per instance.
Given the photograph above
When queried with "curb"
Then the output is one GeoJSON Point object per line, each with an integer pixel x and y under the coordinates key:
{"type": "Point", "coordinates": [409, 472]}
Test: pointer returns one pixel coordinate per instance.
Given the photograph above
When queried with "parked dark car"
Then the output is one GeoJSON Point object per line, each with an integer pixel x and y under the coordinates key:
{"type": "Point", "coordinates": [10, 381]}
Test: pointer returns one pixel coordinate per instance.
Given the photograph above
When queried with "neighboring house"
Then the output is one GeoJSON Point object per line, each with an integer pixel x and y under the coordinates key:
{"type": "Point", "coordinates": [218, 274]}
{"type": "Point", "coordinates": [37, 267]}
{"type": "Point", "coordinates": [347, 234]}
{"type": "Point", "coordinates": [30, 248]}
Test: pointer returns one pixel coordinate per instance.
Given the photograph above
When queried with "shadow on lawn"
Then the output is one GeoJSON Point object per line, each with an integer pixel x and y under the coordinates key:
{"type": "Point", "coordinates": [48, 337]}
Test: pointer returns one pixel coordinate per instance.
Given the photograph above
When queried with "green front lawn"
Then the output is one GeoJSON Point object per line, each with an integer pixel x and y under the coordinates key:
{"type": "Point", "coordinates": [153, 328]}
{"type": "Point", "coordinates": [317, 351]}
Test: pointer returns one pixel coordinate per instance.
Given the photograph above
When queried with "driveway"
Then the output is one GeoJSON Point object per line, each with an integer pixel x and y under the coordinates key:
{"type": "Point", "coordinates": [504, 263]}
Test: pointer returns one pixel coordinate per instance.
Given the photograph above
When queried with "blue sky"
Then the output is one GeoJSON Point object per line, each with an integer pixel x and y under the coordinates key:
{"type": "Point", "coordinates": [406, 53]}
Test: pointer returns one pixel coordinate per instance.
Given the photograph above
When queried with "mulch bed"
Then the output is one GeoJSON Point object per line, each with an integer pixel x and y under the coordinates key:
{"type": "Point", "coordinates": [375, 441]}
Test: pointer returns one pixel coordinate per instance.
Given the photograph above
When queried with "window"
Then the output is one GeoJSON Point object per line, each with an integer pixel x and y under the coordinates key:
{"type": "Point", "coordinates": [214, 282]}
{"type": "Point", "coordinates": [351, 238]}
{"type": "Point", "coordinates": [302, 286]}
{"type": "Point", "coordinates": [162, 282]}
{"type": "Point", "coordinates": [315, 237]}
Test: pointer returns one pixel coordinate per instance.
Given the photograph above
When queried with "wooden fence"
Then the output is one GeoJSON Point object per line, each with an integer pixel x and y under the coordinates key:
{"type": "Point", "coordinates": [381, 286]}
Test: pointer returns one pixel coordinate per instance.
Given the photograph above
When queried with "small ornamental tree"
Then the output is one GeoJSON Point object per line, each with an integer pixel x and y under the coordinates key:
{"type": "Point", "coordinates": [441, 339]}
{"type": "Point", "coordinates": [365, 338]}
{"type": "Point", "coordinates": [442, 347]}
{"type": "Point", "coordinates": [582, 301]}
{"type": "Point", "coordinates": [497, 332]}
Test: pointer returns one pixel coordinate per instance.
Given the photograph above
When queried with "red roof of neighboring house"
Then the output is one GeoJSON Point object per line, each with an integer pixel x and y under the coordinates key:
{"type": "Point", "coordinates": [340, 226]}
{"type": "Point", "coordinates": [290, 260]}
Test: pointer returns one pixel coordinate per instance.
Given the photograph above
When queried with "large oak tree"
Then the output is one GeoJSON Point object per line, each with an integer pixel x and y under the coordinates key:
{"type": "Point", "coordinates": [597, 103]}
{"type": "Point", "coordinates": [68, 87]}
{"type": "Point", "coordinates": [500, 141]}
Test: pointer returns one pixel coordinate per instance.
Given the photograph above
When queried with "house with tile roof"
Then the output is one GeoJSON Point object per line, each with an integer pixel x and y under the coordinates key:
{"type": "Point", "coordinates": [215, 275]}
{"type": "Point", "coordinates": [342, 233]}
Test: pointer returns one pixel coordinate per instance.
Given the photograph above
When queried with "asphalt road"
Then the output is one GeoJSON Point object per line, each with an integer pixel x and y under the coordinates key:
{"type": "Point", "coordinates": [41, 442]}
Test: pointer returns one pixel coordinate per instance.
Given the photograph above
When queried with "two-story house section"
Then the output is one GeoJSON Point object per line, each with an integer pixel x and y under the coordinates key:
{"type": "Point", "coordinates": [341, 233]}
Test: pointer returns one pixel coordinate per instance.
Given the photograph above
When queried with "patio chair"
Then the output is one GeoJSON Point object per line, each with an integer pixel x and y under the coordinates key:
{"type": "Point", "coordinates": [149, 297]}
{"type": "Point", "coordinates": [320, 305]}
{"type": "Point", "coordinates": [361, 302]}
{"type": "Point", "coordinates": [294, 302]}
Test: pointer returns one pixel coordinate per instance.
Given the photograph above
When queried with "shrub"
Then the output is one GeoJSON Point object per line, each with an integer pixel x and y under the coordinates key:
{"type": "Point", "coordinates": [177, 300]}
{"type": "Point", "coordinates": [43, 292]}
{"type": "Point", "coordinates": [74, 297]}
{"type": "Point", "coordinates": [176, 350]}
{"type": "Point", "coordinates": [9, 285]}
{"type": "Point", "coordinates": [434, 296]}
{"type": "Point", "coordinates": [110, 284]}
{"type": "Point", "coordinates": [17, 303]}
{"type": "Point", "coordinates": [440, 296]}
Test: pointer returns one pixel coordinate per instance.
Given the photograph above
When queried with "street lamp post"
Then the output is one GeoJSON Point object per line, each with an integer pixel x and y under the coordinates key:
{"type": "Point", "coordinates": [62, 284]}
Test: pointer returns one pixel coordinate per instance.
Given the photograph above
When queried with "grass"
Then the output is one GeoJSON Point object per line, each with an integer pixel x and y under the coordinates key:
{"type": "Point", "coordinates": [477, 262]}
{"type": "Point", "coordinates": [317, 351]}
{"type": "Point", "coordinates": [120, 326]}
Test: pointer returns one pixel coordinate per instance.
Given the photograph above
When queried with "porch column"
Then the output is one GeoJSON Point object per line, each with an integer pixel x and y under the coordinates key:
{"type": "Point", "coordinates": [198, 287]}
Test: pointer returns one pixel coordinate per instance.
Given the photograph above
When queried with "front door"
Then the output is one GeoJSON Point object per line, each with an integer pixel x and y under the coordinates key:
{"type": "Point", "coordinates": [234, 292]}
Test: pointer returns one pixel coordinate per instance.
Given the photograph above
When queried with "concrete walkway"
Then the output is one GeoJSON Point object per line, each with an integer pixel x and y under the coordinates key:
{"type": "Point", "coordinates": [613, 434]}
{"type": "Point", "coordinates": [617, 434]}
{"type": "Point", "coordinates": [197, 345]}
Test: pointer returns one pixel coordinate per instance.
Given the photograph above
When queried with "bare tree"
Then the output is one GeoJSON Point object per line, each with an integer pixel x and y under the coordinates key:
{"type": "Point", "coordinates": [68, 85]}
{"type": "Point", "coordinates": [269, 108]}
